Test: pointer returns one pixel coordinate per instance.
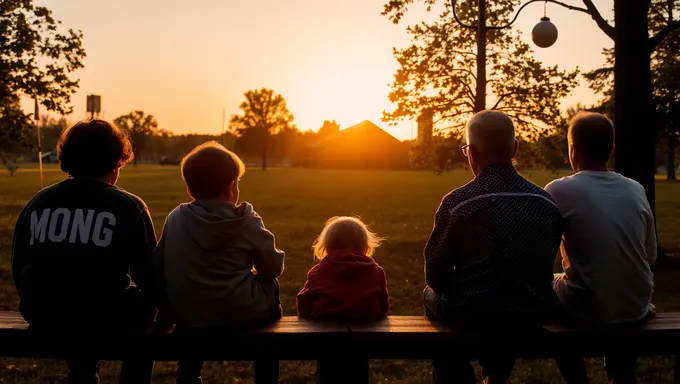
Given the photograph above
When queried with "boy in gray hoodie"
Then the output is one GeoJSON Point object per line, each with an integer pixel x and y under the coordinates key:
{"type": "Point", "coordinates": [215, 262]}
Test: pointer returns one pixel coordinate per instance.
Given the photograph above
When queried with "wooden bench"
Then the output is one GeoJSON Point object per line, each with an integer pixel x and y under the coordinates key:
{"type": "Point", "coordinates": [292, 338]}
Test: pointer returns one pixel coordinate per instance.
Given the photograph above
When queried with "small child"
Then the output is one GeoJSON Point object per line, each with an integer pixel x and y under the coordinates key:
{"type": "Point", "coordinates": [216, 265]}
{"type": "Point", "coordinates": [346, 284]}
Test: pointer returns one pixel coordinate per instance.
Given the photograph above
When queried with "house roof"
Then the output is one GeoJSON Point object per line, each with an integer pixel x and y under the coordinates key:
{"type": "Point", "coordinates": [362, 131]}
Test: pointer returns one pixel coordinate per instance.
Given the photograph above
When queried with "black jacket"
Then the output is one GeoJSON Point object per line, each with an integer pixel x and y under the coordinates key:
{"type": "Point", "coordinates": [492, 248]}
{"type": "Point", "coordinates": [78, 246]}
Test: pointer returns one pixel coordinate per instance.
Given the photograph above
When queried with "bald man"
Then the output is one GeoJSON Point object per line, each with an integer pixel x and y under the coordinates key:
{"type": "Point", "coordinates": [489, 259]}
{"type": "Point", "coordinates": [609, 243]}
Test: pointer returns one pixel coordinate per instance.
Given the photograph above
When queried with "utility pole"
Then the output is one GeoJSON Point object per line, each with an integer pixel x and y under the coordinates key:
{"type": "Point", "coordinates": [223, 118]}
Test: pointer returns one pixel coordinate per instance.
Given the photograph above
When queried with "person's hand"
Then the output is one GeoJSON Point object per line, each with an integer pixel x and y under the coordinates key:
{"type": "Point", "coordinates": [652, 310]}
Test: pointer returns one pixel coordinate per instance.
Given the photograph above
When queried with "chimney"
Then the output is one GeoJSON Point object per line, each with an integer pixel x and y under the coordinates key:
{"type": "Point", "coordinates": [425, 126]}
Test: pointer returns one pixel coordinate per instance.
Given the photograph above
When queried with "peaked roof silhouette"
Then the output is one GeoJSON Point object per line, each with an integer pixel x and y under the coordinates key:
{"type": "Point", "coordinates": [362, 131]}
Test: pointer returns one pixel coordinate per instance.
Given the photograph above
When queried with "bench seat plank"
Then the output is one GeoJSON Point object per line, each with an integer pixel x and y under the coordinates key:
{"type": "Point", "coordinates": [397, 337]}
{"type": "Point", "coordinates": [290, 338]}
{"type": "Point", "coordinates": [407, 337]}
{"type": "Point", "coordinates": [12, 320]}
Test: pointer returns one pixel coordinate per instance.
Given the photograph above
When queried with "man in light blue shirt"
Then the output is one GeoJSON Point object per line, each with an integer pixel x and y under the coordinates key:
{"type": "Point", "coordinates": [608, 245]}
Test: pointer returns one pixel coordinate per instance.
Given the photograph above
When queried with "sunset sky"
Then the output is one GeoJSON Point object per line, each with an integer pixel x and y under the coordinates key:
{"type": "Point", "coordinates": [183, 61]}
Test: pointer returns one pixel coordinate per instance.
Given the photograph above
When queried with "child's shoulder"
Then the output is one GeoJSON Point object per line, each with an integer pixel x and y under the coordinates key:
{"type": "Point", "coordinates": [174, 213]}
{"type": "Point", "coordinates": [315, 270]}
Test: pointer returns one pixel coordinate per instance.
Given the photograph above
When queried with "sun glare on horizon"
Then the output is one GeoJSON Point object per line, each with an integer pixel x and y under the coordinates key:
{"type": "Point", "coordinates": [330, 60]}
{"type": "Point", "coordinates": [347, 90]}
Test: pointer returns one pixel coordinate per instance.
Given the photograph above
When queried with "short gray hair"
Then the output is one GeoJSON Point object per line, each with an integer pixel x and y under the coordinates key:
{"type": "Point", "coordinates": [491, 132]}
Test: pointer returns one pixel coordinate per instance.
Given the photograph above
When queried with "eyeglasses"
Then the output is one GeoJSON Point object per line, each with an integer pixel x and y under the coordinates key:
{"type": "Point", "coordinates": [466, 149]}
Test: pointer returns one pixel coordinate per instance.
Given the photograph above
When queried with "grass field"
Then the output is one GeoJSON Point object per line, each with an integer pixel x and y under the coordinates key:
{"type": "Point", "coordinates": [294, 204]}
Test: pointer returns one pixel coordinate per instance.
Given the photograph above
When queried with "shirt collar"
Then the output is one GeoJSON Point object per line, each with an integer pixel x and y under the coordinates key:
{"type": "Point", "coordinates": [498, 169]}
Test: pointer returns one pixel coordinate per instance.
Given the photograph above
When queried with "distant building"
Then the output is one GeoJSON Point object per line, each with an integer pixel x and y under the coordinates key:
{"type": "Point", "coordinates": [364, 146]}
{"type": "Point", "coordinates": [425, 126]}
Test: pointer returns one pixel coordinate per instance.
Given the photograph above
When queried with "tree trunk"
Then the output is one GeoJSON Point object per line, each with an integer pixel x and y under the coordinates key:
{"type": "Point", "coordinates": [633, 95]}
{"type": "Point", "coordinates": [670, 158]}
{"type": "Point", "coordinates": [633, 103]}
{"type": "Point", "coordinates": [480, 95]}
{"type": "Point", "coordinates": [265, 144]}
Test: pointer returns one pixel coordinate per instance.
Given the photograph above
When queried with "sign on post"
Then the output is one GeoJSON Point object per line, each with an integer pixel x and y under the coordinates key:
{"type": "Point", "coordinates": [94, 105]}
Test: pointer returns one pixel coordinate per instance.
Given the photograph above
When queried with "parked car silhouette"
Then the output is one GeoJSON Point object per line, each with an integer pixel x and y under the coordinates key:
{"type": "Point", "coordinates": [169, 160]}
{"type": "Point", "coordinates": [50, 157]}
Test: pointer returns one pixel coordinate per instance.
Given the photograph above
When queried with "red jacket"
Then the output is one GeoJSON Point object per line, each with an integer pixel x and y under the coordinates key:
{"type": "Point", "coordinates": [345, 286]}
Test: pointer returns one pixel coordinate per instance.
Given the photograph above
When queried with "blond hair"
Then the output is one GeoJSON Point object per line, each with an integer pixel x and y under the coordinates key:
{"type": "Point", "coordinates": [344, 233]}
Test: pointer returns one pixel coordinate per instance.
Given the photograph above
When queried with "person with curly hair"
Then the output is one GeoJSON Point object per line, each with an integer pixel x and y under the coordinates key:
{"type": "Point", "coordinates": [82, 250]}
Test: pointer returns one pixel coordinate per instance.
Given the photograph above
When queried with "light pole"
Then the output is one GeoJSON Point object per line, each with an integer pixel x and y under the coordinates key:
{"type": "Point", "coordinates": [544, 35]}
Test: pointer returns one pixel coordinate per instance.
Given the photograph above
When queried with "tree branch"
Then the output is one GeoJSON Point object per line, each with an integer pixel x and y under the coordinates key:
{"type": "Point", "coordinates": [655, 40]}
{"type": "Point", "coordinates": [498, 102]}
{"type": "Point", "coordinates": [469, 72]}
{"type": "Point", "coordinates": [601, 22]}
{"type": "Point", "coordinates": [469, 90]}
{"type": "Point", "coordinates": [570, 7]}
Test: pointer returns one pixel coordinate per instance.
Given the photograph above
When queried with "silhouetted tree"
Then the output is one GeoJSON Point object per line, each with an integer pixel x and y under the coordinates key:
{"type": "Point", "coordinates": [50, 130]}
{"type": "Point", "coordinates": [36, 60]}
{"type": "Point", "coordinates": [665, 76]}
{"type": "Point", "coordinates": [328, 128]}
{"type": "Point", "coordinates": [140, 127]}
{"type": "Point", "coordinates": [437, 73]}
{"type": "Point", "coordinates": [263, 114]}
{"type": "Point", "coordinates": [633, 92]}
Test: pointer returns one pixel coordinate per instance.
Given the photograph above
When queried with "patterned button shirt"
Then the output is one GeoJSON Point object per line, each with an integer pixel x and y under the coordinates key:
{"type": "Point", "coordinates": [493, 246]}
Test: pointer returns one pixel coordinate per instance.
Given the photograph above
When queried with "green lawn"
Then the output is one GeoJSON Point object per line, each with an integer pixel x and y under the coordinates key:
{"type": "Point", "coordinates": [294, 204]}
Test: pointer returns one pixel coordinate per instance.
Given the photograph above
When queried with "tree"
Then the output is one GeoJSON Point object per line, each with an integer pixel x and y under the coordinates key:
{"type": "Point", "coordinates": [140, 127]}
{"type": "Point", "coordinates": [328, 129]}
{"type": "Point", "coordinates": [263, 114]}
{"type": "Point", "coordinates": [665, 81]}
{"type": "Point", "coordinates": [50, 130]}
{"type": "Point", "coordinates": [632, 78]}
{"type": "Point", "coordinates": [437, 72]}
{"type": "Point", "coordinates": [36, 60]}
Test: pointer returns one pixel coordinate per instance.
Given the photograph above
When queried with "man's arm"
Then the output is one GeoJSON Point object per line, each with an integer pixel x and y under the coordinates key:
{"type": "Point", "coordinates": [439, 260]}
{"type": "Point", "coordinates": [141, 253]}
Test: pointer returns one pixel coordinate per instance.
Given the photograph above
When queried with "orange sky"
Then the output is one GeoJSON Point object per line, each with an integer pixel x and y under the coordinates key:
{"type": "Point", "coordinates": [183, 61]}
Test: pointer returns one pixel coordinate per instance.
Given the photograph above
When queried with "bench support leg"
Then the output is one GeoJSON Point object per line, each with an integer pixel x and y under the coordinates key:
{"type": "Point", "coordinates": [676, 369]}
{"type": "Point", "coordinates": [342, 371]}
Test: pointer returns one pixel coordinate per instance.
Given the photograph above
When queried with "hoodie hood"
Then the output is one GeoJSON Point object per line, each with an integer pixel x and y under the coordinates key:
{"type": "Point", "coordinates": [347, 265]}
{"type": "Point", "coordinates": [212, 223]}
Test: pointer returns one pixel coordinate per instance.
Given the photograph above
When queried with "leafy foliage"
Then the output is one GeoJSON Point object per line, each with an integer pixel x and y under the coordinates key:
{"type": "Point", "coordinates": [140, 127]}
{"type": "Point", "coordinates": [263, 114]}
{"type": "Point", "coordinates": [438, 72]}
{"type": "Point", "coordinates": [665, 67]}
{"type": "Point", "coordinates": [36, 60]}
{"type": "Point", "coordinates": [328, 128]}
